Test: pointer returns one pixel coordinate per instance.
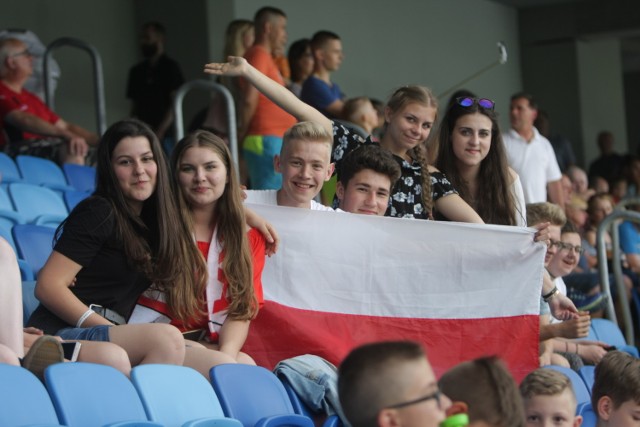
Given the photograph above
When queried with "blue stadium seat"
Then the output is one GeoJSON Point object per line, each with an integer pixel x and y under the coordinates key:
{"type": "Point", "coordinates": [8, 214]}
{"type": "Point", "coordinates": [583, 395]}
{"type": "Point", "coordinates": [29, 300]}
{"type": "Point", "coordinates": [9, 170]}
{"type": "Point", "coordinates": [34, 244]}
{"type": "Point", "coordinates": [607, 331]}
{"type": "Point", "coordinates": [82, 178]}
{"type": "Point", "coordinates": [24, 400]}
{"type": "Point", "coordinates": [88, 395]}
{"type": "Point", "coordinates": [73, 197]}
{"type": "Point", "coordinates": [255, 396]}
{"type": "Point", "coordinates": [589, 417]}
{"type": "Point", "coordinates": [25, 269]}
{"type": "Point", "coordinates": [178, 396]}
{"type": "Point", "coordinates": [41, 171]}
{"type": "Point", "coordinates": [38, 205]}
{"type": "Point", "coordinates": [587, 373]}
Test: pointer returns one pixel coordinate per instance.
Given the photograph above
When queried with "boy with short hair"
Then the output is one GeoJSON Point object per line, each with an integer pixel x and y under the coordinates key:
{"type": "Point", "coordinates": [367, 177]}
{"type": "Point", "coordinates": [305, 164]}
{"type": "Point", "coordinates": [389, 384]}
{"type": "Point", "coordinates": [549, 399]}
{"type": "Point", "coordinates": [615, 396]}
{"type": "Point", "coordinates": [360, 111]}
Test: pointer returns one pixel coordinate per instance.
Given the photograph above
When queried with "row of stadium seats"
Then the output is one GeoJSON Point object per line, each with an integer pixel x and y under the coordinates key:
{"type": "Point", "coordinates": [85, 395]}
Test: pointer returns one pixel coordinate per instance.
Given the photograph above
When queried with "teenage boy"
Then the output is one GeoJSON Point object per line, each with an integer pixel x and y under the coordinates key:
{"type": "Point", "coordinates": [305, 164]}
{"type": "Point", "coordinates": [367, 177]}
{"type": "Point", "coordinates": [390, 384]}
{"type": "Point", "coordinates": [615, 396]}
{"type": "Point", "coordinates": [549, 399]}
{"type": "Point", "coordinates": [318, 90]}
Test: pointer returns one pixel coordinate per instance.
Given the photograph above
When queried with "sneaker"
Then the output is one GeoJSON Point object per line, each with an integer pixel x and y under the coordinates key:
{"type": "Point", "coordinates": [46, 351]}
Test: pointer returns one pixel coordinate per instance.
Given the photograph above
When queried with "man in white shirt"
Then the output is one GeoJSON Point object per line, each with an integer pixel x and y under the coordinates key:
{"type": "Point", "coordinates": [531, 155]}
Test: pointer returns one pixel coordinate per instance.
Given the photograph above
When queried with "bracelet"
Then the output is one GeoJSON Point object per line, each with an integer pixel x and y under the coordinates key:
{"type": "Point", "coordinates": [84, 316]}
{"type": "Point", "coordinates": [551, 294]}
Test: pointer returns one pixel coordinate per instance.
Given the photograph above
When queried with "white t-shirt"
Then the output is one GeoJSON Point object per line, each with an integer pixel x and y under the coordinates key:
{"type": "Point", "coordinates": [270, 197]}
{"type": "Point", "coordinates": [535, 162]}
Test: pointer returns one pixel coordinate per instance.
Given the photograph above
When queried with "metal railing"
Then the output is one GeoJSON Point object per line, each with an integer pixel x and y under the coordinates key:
{"type": "Point", "coordinates": [231, 112]}
{"type": "Point", "coordinates": [98, 82]}
{"type": "Point", "coordinates": [609, 224]}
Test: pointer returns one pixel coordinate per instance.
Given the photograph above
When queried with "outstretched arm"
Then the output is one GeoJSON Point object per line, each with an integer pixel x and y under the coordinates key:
{"type": "Point", "coordinates": [280, 95]}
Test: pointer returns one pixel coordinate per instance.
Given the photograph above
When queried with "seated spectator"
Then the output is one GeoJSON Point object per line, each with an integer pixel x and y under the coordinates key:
{"type": "Point", "coordinates": [487, 389]}
{"type": "Point", "coordinates": [305, 164]}
{"type": "Point", "coordinates": [318, 90]}
{"type": "Point", "coordinates": [301, 63]}
{"type": "Point", "coordinates": [24, 117]}
{"type": "Point", "coordinates": [360, 112]}
{"type": "Point", "coordinates": [609, 163]}
{"type": "Point", "coordinates": [549, 399]}
{"type": "Point", "coordinates": [368, 176]}
{"type": "Point", "coordinates": [209, 195]}
{"type": "Point", "coordinates": [615, 396]}
{"type": "Point", "coordinates": [389, 384]}
{"type": "Point", "coordinates": [580, 183]}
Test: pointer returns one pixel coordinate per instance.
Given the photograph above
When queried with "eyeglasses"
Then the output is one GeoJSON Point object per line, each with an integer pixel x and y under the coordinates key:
{"type": "Point", "coordinates": [24, 52]}
{"type": "Point", "coordinates": [435, 396]}
{"type": "Point", "coordinates": [482, 102]}
{"type": "Point", "coordinates": [567, 247]}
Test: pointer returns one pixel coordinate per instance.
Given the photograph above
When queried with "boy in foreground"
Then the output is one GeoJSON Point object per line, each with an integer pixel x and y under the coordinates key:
{"type": "Point", "coordinates": [549, 399]}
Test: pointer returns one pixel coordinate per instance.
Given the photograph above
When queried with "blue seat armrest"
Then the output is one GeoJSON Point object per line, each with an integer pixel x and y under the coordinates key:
{"type": "Point", "coordinates": [213, 422]}
{"type": "Point", "coordinates": [285, 420]}
{"type": "Point", "coordinates": [49, 220]}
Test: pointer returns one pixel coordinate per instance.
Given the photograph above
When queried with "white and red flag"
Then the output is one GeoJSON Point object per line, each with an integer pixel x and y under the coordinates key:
{"type": "Point", "coordinates": [340, 280]}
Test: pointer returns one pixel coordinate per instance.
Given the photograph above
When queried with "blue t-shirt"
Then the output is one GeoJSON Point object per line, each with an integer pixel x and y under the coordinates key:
{"type": "Point", "coordinates": [319, 94]}
{"type": "Point", "coordinates": [629, 238]}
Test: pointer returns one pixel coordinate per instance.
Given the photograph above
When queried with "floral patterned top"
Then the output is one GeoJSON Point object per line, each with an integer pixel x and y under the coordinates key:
{"type": "Point", "coordinates": [406, 195]}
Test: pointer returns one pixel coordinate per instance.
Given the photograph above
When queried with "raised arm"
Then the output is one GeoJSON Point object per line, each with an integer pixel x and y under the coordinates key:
{"type": "Point", "coordinates": [280, 95]}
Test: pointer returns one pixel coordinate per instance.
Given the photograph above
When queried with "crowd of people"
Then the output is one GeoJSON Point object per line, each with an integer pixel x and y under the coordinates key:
{"type": "Point", "coordinates": [163, 262]}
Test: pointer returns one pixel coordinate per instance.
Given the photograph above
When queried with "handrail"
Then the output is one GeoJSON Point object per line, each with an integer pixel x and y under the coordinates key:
{"type": "Point", "coordinates": [609, 224]}
{"type": "Point", "coordinates": [231, 112]}
{"type": "Point", "coordinates": [98, 86]}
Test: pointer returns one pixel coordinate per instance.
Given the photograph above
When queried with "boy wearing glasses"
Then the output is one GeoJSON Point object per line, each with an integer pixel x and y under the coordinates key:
{"type": "Point", "coordinates": [390, 384]}
{"type": "Point", "coordinates": [615, 396]}
{"type": "Point", "coordinates": [562, 263]}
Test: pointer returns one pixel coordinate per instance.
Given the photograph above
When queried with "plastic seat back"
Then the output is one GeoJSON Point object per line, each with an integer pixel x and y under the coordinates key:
{"type": "Point", "coordinates": [173, 395]}
{"type": "Point", "coordinates": [87, 395]}
{"type": "Point", "coordinates": [9, 169]}
{"type": "Point", "coordinates": [34, 243]}
{"type": "Point", "coordinates": [588, 374]}
{"type": "Point", "coordinates": [38, 205]}
{"type": "Point", "coordinates": [589, 417]}
{"type": "Point", "coordinates": [23, 399]}
{"type": "Point", "coordinates": [80, 177]}
{"type": "Point", "coordinates": [8, 214]}
{"type": "Point", "coordinates": [41, 171]}
{"type": "Point", "coordinates": [607, 331]}
{"type": "Point", "coordinates": [255, 396]}
{"type": "Point", "coordinates": [73, 197]}
{"type": "Point", "coordinates": [583, 395]}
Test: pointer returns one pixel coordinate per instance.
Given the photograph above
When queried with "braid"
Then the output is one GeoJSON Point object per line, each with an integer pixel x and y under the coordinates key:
{"type": "Point", "coordinates": [418, 153]}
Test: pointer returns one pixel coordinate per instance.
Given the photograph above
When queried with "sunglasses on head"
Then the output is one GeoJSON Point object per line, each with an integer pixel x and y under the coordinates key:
{"type": "Point", "coordinates": [482, 102]}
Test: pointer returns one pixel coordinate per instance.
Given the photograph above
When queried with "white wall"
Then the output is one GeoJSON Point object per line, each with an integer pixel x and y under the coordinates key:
{"type": "Point", "coordinates": [601, 94]}
{"type": "Point", "coordinates": [430, 42]}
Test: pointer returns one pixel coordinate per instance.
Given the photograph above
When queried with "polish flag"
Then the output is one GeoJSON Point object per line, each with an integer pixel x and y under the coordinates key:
{"type": "Point", "coordinates": [340, 280]}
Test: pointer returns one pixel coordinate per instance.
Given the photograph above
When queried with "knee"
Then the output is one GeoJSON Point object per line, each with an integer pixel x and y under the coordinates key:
{"type": "Point", "coordinates": [170, 343]}
{"type": "Point", "coordinates": [245, 359]}
{"type": "Point", "coordinates": [114, 355]}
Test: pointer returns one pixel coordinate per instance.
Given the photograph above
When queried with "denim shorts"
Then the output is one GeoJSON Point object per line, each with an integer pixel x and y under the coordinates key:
{"type": "Point", "coordinates": [95, 333]}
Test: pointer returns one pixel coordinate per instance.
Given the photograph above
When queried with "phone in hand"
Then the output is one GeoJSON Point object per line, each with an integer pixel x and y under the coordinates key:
{"type": "Point", "coordinates": [71, 350]}
{"type": "Point", "coordinates": [194, 335]}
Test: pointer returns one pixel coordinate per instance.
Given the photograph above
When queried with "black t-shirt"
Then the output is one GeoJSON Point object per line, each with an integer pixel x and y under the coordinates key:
{"type": "Point", "coordinates": [150, 88]}
{"type": "Point", "coordinates": [106, 278]}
